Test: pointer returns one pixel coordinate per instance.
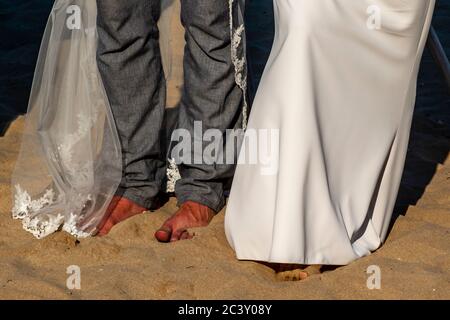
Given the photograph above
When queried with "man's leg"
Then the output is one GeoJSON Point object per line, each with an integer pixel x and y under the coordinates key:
{"type": "Point", "coordinates": [129, 61]}
{"type": "Point", "coordinates": [212, 97]}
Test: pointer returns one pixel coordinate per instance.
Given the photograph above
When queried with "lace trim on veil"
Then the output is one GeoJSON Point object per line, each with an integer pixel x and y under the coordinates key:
{"type": "Point", "coordinates": [30, 211]}
{"type": "Point", "coordinates": [238, 57]}
{"type": "Point", "coordinates": [42, 225]}
{"type": "Point", "coordinates": [173, 175]}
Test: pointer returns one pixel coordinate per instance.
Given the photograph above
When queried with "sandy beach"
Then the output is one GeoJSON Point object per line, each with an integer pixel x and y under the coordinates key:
{"type": "Point", "coordinates": [130, 264]}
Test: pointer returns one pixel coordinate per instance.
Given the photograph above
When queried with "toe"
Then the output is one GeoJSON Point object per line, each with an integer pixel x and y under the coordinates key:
{"type": "Point", "coordinates": [163, 234]}
{"type": "Point", "coordinates": [180, 234]}
{"type": "Point", "coordinates": [185, 235]}
{"type": "Point", "coordinates": [106, 228]}
{"type": "Point", "coordinates": [292, 275]}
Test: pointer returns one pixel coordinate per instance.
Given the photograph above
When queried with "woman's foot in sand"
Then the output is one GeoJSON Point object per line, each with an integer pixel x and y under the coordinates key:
{"type": "Point", "coordinates": [294, 272]}
{"type": "Point", "coordinates": [121, 209]}
{"type": "Point", "coordinates": [190, 215]}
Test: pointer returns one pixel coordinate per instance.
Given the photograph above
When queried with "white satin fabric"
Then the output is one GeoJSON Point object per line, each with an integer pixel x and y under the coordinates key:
{"type": "Point", "coordinates": [340, 87]}
{"type": "Point", "coordinates": [69, 165]}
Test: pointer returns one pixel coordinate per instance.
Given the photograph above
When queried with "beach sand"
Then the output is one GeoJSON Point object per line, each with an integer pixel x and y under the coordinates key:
{"type": "Point", "coordinates": [130, 264]}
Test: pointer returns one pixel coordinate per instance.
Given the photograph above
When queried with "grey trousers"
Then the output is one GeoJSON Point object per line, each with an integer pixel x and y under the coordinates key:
{"type": "Point", "coordinates": [130, 63]}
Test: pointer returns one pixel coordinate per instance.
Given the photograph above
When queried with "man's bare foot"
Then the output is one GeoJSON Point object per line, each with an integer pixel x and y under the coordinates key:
{"type": "Point", "coordinates": [119, 210]}
{"type": "Point", "coordinates": [122, 208]}
{"type": "Point", "coordinates": [294, 272]}
{"type": "Point", "coordinates": [190, 215]}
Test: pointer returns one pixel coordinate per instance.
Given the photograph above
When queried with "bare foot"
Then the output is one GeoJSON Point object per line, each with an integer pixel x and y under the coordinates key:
{"type": "Point", "coordinates": [190, 215]}
{"type": "Point", "coordinates": [119, 210]}
{"type": "Point", "coordinates": [294, 272]}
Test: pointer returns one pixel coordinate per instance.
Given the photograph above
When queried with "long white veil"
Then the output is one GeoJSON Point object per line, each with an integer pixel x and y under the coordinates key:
{"type": "Point", "coordinates": [70, 163]}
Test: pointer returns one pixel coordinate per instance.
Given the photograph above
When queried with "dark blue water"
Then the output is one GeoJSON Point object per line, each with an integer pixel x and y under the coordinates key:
{"type": "Point", "coordinates": [21, 26]}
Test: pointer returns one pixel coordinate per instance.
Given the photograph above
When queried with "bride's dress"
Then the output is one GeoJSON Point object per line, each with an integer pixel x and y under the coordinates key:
{"type": "Point", "coordinates": [340, 87]}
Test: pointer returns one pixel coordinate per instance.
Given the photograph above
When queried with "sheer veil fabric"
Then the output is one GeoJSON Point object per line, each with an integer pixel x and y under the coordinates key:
{"type": "Point", "coordinates": [70, 161]}
{"type": "Point", "coordinates": [69, 165]}
{"type": "Point", "coordinates": [339, 89]}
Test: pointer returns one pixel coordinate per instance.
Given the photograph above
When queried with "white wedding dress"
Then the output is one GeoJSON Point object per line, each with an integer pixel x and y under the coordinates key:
{"type": "Point", "coordinates": [339, 88]}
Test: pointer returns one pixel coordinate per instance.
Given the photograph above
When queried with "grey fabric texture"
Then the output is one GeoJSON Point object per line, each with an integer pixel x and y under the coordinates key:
{"type": "Point", "coordinates": [130, 64]}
